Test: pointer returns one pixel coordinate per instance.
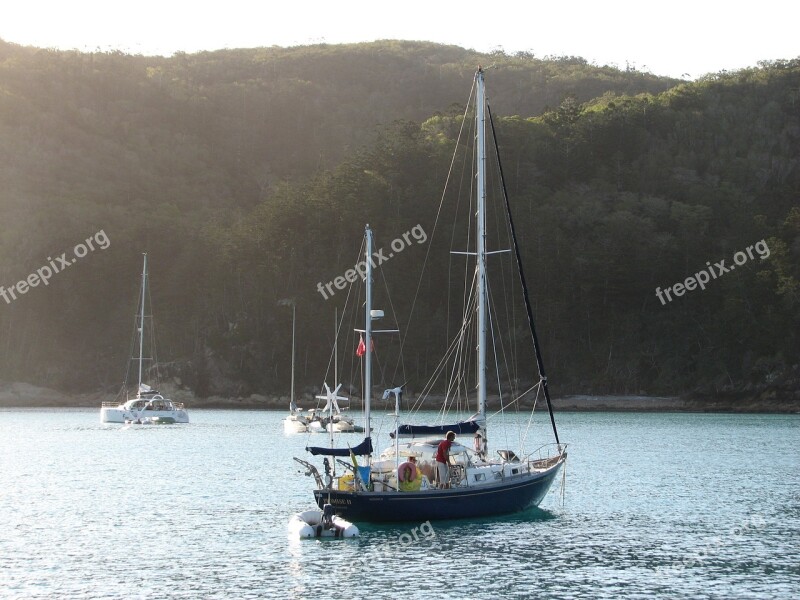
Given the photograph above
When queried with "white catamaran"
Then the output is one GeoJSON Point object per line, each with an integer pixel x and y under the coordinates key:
{"type": "Point", "coordinates": [294, 422]}
{"type": "Point", "coordinates": [148, 406]}
{"type": "Point", "coordinates": [475, 484]}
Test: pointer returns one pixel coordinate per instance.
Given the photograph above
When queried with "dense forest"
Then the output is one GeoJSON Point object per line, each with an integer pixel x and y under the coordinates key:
{"type": "Point", "coordinates": [247, 176]}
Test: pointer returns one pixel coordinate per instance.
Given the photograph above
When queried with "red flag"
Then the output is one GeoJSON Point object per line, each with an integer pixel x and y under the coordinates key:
{"type": "Point", "coordinates": [362, 347]}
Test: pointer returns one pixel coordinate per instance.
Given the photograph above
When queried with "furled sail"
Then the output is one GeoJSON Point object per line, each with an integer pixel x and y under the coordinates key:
{"type": "Point", "coordinates": [461, 427]}
{"type": "Point", "coordinates": [362, 449]}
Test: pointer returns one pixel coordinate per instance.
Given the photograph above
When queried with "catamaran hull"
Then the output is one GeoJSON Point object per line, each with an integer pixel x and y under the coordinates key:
{"type": "Point", "coordinates": [294, 425]}
{"type": "Point", "coordinates": [119, 415]}
{"type": "Point", "coordinates": [511, 496]}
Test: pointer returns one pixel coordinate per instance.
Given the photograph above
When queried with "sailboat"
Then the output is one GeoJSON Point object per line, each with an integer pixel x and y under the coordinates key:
{"type": "Point", "coordinates": [474, 484]}
{"type": "Point", "coordinates": [295, 421]}
{"type": "Point", "coordinates": [330, 418]}
{"type": "Point", "coordinates": [148, 406]}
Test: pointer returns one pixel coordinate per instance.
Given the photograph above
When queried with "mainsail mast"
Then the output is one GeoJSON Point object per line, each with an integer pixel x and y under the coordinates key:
{"type": "Point", "coordinates": [481, 239]}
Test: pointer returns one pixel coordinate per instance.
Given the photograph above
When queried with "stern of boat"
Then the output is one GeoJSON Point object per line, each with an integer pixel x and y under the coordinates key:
{"type": "Point", "coordinates": [111, 412]}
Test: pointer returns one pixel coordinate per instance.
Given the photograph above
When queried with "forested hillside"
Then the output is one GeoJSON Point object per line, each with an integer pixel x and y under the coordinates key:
{"type": "Point", "coordinates": [248, 175]}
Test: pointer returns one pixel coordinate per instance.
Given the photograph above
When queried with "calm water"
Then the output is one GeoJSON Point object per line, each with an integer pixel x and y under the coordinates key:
{"type": "Point", "coordinates": [664, 505]}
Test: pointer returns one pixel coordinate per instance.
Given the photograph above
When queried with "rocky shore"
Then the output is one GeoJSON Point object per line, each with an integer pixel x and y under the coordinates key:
{"type": "Point", "coordinates": [24, 395]}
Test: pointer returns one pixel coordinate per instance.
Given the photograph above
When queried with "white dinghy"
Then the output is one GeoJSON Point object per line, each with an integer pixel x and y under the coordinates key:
{"type": "Point", "coordinates": [321, 524]}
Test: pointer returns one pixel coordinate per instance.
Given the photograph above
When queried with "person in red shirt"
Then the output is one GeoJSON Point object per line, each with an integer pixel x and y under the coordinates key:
{"type": "Point", "coordinates": [442, 460]}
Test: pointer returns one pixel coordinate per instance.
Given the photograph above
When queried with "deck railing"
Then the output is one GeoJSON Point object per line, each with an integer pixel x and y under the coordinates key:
{"type": "Point", "coordinates": [548, 455]}
{"type": "Point", "coordinates": [175, 405]}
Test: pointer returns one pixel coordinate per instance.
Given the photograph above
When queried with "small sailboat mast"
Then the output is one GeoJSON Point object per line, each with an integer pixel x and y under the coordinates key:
{"type": "Point", "coordinates": [335, 346]}
{"type": "Point", "coordinates": [368, 330]}
{"type": "Point", "coordinates": [291, 393]}
{"type": "Point", "coordinates": [141, 322]}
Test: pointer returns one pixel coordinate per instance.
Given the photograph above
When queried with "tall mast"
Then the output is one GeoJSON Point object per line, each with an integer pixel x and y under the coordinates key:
{"type": "Point", "coordinates": [481, 238]}
{"type": "Point", "coordinates": [141, 322]}
{"type": "Point", "coordinates": [294, 309]}
{"type": "Point", "coordinates": [335, 376]}
{"type": "Point", "coordinates": [368, 330]}
{"type": "Point", "coordinates": [335, 346]}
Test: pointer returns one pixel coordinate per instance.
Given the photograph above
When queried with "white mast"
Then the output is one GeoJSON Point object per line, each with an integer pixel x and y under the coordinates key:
{"type": "Point", "coordinates": [335, 377]}
{"type": "Point", "coordinates": [294, 308]}
{"type": "Point", "coordinates": [335, 346]}
{"type": "Point", "coordinates": [368, 330]}
{"type": "Point", "coordinates": [141, 323]}
{"type": "Point", "coordinates": [481, 237]}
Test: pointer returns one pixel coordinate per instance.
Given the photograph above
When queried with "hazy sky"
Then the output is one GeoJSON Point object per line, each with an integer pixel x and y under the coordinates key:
{"type": "Point", "coordinates": [667, 38]}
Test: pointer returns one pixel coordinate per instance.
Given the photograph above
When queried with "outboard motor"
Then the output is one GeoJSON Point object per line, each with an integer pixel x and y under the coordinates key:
{"type": "Point", "coordinates": [328, 477]}
{"type": "Point", "coordinates": [327, 516]}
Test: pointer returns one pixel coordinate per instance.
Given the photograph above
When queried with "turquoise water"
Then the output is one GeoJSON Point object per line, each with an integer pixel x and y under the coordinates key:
{"type": "Point", "coordinates": [655, 505]}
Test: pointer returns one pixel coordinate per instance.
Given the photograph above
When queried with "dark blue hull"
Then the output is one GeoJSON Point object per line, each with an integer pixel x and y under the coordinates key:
{"type": "Point", "coordinates": [512, 495]}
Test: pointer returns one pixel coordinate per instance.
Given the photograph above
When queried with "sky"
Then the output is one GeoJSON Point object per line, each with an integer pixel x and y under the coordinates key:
{"type": "Point", "coordinates": [679, 38]}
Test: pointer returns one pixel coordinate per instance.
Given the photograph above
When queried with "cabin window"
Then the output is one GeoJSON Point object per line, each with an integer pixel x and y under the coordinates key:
{"type": "Point", "coordinates": [480, 476]}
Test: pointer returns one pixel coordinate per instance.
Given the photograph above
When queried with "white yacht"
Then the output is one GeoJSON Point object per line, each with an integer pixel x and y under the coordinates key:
{"type": "Point", "coordinates": [295, 422]}
{"type": "Point", "coordinates": [148, 406]}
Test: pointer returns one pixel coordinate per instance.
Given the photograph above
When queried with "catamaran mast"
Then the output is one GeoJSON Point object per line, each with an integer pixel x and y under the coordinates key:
{"type": "Point", "coordinates": [141, 323]}
{"type": "Point", "coordinates": [481, 238]}
{"type": "Point", "coordinates": [294, 314]}
{"type": "Point", "coordinates": [368, 330]}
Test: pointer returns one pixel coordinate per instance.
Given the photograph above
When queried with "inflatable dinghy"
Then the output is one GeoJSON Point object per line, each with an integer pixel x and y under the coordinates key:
{"type": "Point", "coordinates": [321, 524]}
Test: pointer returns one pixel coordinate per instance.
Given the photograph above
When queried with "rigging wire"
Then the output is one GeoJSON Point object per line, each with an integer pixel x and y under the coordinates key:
{"type": "Point", "coordinates": [339, 327]}
{"type": "Point", "coordinates": [529, 310]}
{"type": "Point", "coordinates": [436, 221]}
{"type": "Point", "coordinates": [454, 349]}
{"type": "Point", "coordinates": [514, 401]}
{"type": "Point", "coordinates": [153, 345]}
{"type": "Point", "coordinates": [400, 349]}
{"type": "Point", "coordinates": [508, 290]}
{"type": "Point", "coordinates": [538, 387]}
{"type": "Point", "coordinates": [131, 350]}
{"type": "Point", "coordinates": [496, 364]}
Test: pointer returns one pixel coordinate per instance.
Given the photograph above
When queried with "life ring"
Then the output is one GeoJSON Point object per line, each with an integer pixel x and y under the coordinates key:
{"type": "Point", "coordinates": [406, 472]}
